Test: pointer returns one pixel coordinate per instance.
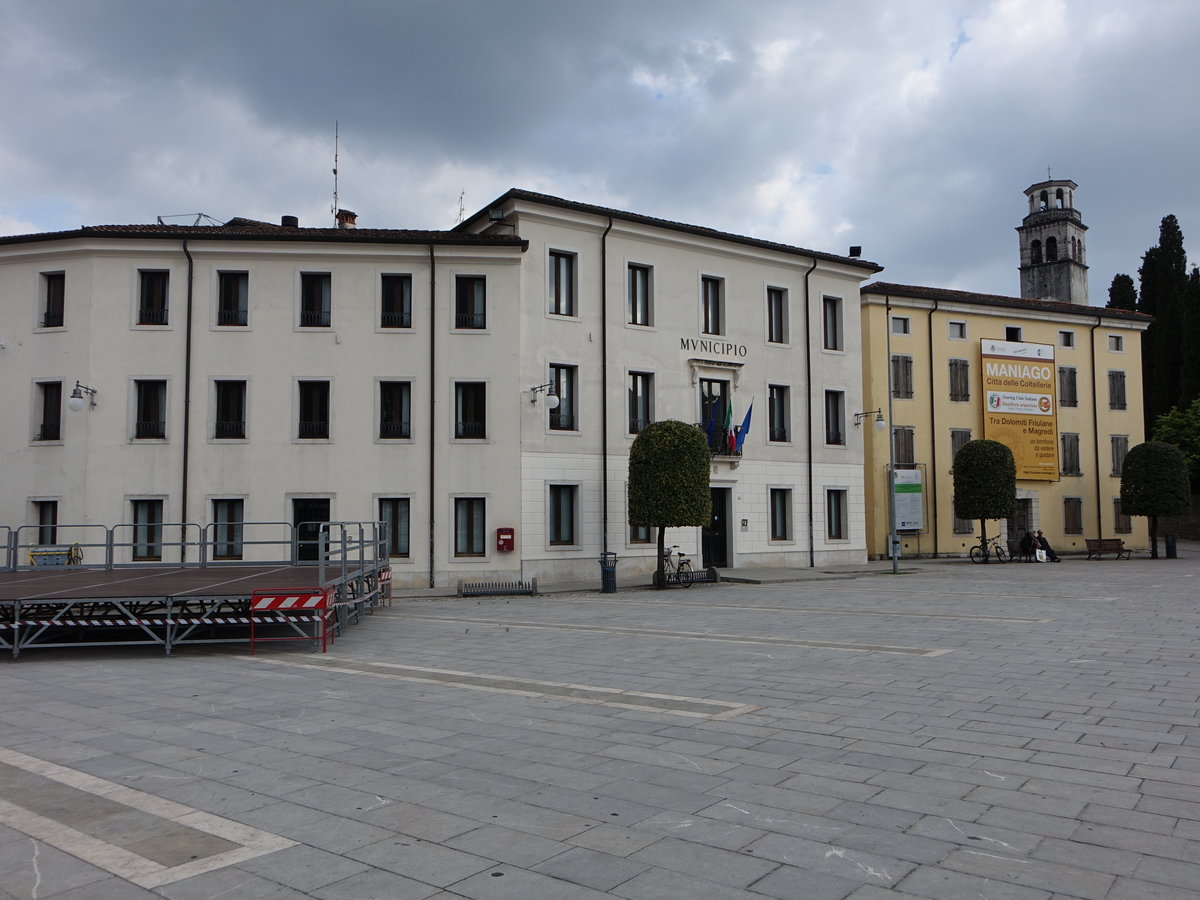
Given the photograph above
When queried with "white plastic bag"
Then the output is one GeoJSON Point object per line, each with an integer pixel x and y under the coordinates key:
{"type": "Point", "coordinates": [1041, 555]}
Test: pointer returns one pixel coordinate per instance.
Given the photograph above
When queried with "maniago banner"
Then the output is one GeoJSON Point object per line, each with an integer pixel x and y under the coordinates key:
{"type": "Point", "coordinates": [1020, 406]}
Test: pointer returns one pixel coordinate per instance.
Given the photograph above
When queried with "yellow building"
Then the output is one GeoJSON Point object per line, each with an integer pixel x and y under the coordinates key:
{"type": "Point", "coordinates": [1059, 383]}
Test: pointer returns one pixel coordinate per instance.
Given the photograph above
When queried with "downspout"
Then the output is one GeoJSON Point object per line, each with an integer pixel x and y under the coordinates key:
{"type": "Point", "coordinates": [812, 548]}
{"type": "Point", "coordinates": [933, 437]}
{"type": "Point", "coordinates": [1096, 428]}
{"type": "Point", "coordinates": [187, 407]}
{"type": "Point", "coordinates": [432, 412]}
{"type": "Point", "coordinates": [604, 385]}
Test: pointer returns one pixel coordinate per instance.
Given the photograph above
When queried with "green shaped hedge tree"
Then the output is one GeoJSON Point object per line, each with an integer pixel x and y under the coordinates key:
{"type": "Point", "coordinates": [1154, 482]}
{"type": "Point", "coordinates": [668, 480]}
{"type": "Point", "coordinates": [985, 483]}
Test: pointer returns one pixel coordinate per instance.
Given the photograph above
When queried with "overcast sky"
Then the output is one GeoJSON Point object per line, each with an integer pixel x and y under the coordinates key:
{"type": "Point", "coordinates": [910, 127]}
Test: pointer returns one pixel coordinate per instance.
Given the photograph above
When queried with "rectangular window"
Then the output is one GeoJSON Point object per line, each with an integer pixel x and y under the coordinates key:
{"type": "Point", "coordinates": [835, 515]}
{"type": "Point", "coordinates": [393, 513]}
{"type": "Point", "coordinates": [151, 421]}
{"type": "Point", "coordinates": [1068, 394]}
{"type": "Point", "coordinates": [230, 422]}
{"type": "Point", "coordinates": [710, 301]}
{"type": "Point", "coordinates": [641, 401]}
{"type": "Point", "coordinates": [47, 521]}
{"type": "Point", "coordinates": [469, 526]}
{"type": "Point", "coordinates": [562, 379]}
{"type": "Point", "coordinates": [831, 323]}
{"type": "Point", "coordinates": [50, 401]}
{"type": "Point", "coordinates": [904, 439]}
{"type": "Point", "coordinates": [1066, 339]}
{"type": "Point", "coordinates": [1072, 515]}
{"type": "Point", "coordinates": [781, 514]}
{"type": "Point", "coordinates": [1070, 454]}
{"type": "Point", "coordinates": [560, 524]}
{"type": "Point", "coordinates": [1122, 524]}
{"type": "Point", "coordinates": [902, 377]}
{"type": "Point", "coordinates": [470, 301]}
{"type": "Point", "coordinates": [54, 290]}
{"type": "Point", "coordinates": [152, 297]}
{"type": "Point", "coordinates": [778, 413]}
{"type": "Point", "coordinates": [1120, 446]}
{"type": "Point", "coordinates": [956, 331]}
{"type": "Point", "coordinates": [641, 310]}
{"type": "Point", "coordinates": [314, 410]}
{"type": "Point", "coordinates": [233, 298]}
{"type": "Point", "coordinates": [960, 379]}
{"type": "Point", "coordinates": [777, 315]}
{"type": "Point", "coordinates": [714, 410]}
{"type": "Point", "coordinates": [395, 301]}
{"type": "Point", "coordinates": [315, 299]}
{"type": "Point", "coordinates": [1116, 343]}
{"type": "Point", "coordinates": [147, 529]}
{"type": "Point", "coordinates": [1116, 389]}
{"type": "Point", "coordinates": [901, 325]}
{"type": "Point", "coordinates": [228, 516]}
{"type": "Point", "coordinates": [395, 401]}
{"type": "Point", "coordinates": [959, 437]}
{"type": "Point", "coordinates": [470, 410]}
{"type": "Point", "coordinates": [639, 534]}
{"type": "Point", "coordinates": [562, 283]}
{"type": "Point", "coordinates": [835, 417]}
{"type": "Point", "coordinates": [1012, 332]}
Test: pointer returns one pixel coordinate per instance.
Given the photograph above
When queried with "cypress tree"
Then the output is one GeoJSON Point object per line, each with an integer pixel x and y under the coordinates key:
{"type": "Point", "coordinates": [1163, 275]}
{"type": "Point", "coordinates": [1189, 376]}
{"type": "Point", "coordinates": [1122, 294]}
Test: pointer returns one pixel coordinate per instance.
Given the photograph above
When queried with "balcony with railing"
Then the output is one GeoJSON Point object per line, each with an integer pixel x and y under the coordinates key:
{"type": "Point", "coordinates": [470, 430]}
{"type": "Point", "coordinates": [315, 318]}
{"type": "Point", "coordinates": [230, 429]}
{"type": "Point", "coordinates": [396, 320]}
{"type": "Point", "coordinates": [470, 320]}
{"type": "Point", "coordinates": [394, 430]}
{"type": "Point", "coordinates": [150, 429]}
{"type": "Point", "coordinates": [232, 317]}
{"type": "Point", "coordinates": [152, 315]}
{"type": "Point", "coordinates": [317, 429]}
{"type": "Point", "coordinates": [561, 421]}
{"type": "Point", "coordinates": [50, 431]}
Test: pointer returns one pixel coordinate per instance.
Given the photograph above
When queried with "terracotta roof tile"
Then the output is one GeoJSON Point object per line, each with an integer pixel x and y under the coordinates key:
{"type": "Point", "coordinates": [915, 292]}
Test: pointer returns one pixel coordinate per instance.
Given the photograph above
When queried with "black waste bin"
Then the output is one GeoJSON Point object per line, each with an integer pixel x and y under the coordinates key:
{"type": "Point", "coordinates": [1171, 552]}
{"type": "Point", "coordinates": [608, 573]}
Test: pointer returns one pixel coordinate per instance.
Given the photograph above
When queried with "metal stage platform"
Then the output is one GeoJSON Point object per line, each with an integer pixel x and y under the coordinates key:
{"type": "Point", "coordinates": [177, 604]}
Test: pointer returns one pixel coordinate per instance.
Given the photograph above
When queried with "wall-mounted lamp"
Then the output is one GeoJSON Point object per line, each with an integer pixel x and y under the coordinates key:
{"type": "Point", "coordinates": [880, 424]}
{"type": "Point", "coordinates": [76, 401]}
{"type": "Point", "coordinates": [551, 397]}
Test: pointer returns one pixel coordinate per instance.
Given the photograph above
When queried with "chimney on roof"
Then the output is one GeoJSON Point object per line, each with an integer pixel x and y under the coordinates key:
{"type": "Point", "coordinates": [346, 219]}
{"type": "Point", "coordinates": [290, 222]}
{"type": "Point", "coordinates": [855, 252]}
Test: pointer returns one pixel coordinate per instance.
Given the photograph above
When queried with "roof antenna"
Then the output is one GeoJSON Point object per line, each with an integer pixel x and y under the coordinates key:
{"type": "Point", "coordinates": [334, 208]}
{"type": "Point", "coordinates": [462, 212]}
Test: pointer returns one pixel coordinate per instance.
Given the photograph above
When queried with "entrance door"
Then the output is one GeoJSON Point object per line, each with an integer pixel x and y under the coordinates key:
{"type": "Point", "coordinates": [308, 515]}
{"type": "Point", "coordinates": [714, 540]}
{"type": "Point", "coordinates": [1022, 520]}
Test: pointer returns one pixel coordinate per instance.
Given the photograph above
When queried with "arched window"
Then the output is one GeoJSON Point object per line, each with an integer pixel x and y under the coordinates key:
{"type": "Point", "coordinates": [1051, 249]}
{"type": "Point", "coordinates": [1074, 248]}
{"type": "Point", "coordinates": [1045, 200]}
{"type": "Point", "coordinates": [1035, 252]}
{"type": "Point", "coordinates": [1058, 196]}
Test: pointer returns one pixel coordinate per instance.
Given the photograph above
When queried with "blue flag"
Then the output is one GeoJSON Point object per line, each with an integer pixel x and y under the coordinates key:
{"type": "Point", "coordinates": [745, 429]}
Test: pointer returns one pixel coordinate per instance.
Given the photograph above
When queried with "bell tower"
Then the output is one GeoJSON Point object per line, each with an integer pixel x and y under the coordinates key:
{"type": "Point", "coordinates": [1053, 253]}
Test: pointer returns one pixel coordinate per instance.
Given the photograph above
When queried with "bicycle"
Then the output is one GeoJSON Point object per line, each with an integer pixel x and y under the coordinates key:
{"type": "Point", "coordinates": [681, 573]}
{"type": "Point", "coordinates": [989, 548]}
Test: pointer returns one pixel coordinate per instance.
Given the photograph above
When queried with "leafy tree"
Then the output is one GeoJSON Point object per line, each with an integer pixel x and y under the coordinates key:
{"type": "Point", "coordinates": [1154, 483]}
{"type": "Point", "coordinates": [1181, 427]}
{"type": "Point", "coordinates": [1163, 275]}
{"type": "Point", "coordinates": [1122, 294]}
{"type": "Point", "coordinates": [668, 480]}
{"type": "Point", "coordinates": [985, 482]}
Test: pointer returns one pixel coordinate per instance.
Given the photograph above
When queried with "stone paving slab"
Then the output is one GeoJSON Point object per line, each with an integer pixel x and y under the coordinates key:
{"type": "Point", "coordinates": [1014, 732]}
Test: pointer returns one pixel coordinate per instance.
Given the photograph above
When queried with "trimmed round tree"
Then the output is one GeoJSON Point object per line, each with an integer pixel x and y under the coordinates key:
{"type": "Point", "coordinates": [1154, 482]}
{"type": "Point", "coordinates": [985, 483]}
{"type": "Point", "coordinates": [668, 480]}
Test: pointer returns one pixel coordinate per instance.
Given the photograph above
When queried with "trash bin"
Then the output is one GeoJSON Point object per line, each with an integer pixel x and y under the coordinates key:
{"type": "Point", "coordinates": [1171, 552]}
{"type": "Point", "coordinates": [608, 573]}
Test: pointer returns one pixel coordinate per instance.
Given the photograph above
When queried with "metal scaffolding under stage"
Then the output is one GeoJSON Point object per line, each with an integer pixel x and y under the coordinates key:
{"type": "Point", "coordinates": [50, 597]}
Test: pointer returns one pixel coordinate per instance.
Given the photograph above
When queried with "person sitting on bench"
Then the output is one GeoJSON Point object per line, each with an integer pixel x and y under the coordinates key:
{"type": "Point", "coordinates": [1028, 546]}
{"type": "Point", "coordinates": [1044, 544]}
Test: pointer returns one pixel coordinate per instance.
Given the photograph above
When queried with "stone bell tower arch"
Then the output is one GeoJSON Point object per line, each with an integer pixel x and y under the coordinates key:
{"type": "Point", "coordinates": [1053, 250]}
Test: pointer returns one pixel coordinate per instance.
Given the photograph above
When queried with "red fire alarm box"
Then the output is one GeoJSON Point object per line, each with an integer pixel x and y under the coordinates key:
{"type": "Point", "coordinates": [506, 539]}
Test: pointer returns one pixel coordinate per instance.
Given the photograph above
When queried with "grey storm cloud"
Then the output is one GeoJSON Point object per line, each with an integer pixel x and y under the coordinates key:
{"type": "Point", "coordinates": [909, 128]}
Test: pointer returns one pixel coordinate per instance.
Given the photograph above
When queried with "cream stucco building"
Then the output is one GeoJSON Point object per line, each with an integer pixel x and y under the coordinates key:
{"type": "Point", "coordinates": [259, 373]}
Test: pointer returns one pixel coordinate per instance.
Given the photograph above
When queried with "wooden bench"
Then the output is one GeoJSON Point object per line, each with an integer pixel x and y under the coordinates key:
{"type": "Point", "coordinates": [1097, 547]}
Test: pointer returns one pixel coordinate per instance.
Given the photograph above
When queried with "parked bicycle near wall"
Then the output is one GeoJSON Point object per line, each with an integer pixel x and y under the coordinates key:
{"type": "Point", "coordinates": [681, 572]}
{"type": "Point", "coordinates": [988, 549]}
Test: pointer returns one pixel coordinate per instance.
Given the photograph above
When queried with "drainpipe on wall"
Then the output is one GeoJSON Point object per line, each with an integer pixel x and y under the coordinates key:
{"type": "Point", "coordinates": [933, 442]}
{"type": "Point", "coordinates": [432, 412]}
{"type": "Point", "coordinates": [187, 407]}
{"type": "Point", "coordinates": [812, 551]}
{"type": "Point", "coordinates": [604, 384]}
{"type": "Point", "coordinates": [1096, 428]}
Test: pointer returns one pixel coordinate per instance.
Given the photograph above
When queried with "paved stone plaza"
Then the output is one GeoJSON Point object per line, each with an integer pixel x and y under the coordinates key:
{"type": "Point", "coordinates": [1005, 732]}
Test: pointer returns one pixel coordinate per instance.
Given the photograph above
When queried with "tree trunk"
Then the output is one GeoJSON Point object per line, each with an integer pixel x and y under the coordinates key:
{"type": "Point", "coordinates": [660, 579]}
{"type": "Point", "coordinates": [1154, 537]}
{"type": "Point", "coordinates": [983, 540]}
